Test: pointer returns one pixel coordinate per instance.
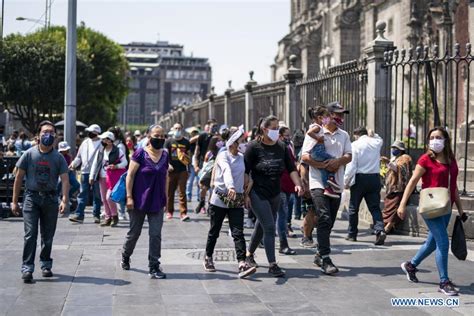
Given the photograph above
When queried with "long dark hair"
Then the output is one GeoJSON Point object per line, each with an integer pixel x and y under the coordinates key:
{"type": "Point", "coordinates": [264, 122]}
{"type": "Point", "coordinates": [120, 137]}
{"type": "Point", "coordinates": [447, 151]}
{"type": "Point", "coordinates": [213, 145]}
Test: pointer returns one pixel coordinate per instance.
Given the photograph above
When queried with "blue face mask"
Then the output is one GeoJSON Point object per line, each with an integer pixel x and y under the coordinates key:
{"type": "Point", "coordinates": [396, 152]}
{"type": "Point", "coordinates": [178, 134]}
{"type": "Point", "coordinates": [47, 139]}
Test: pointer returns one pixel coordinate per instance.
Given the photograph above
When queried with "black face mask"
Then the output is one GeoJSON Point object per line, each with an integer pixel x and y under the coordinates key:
{"type": "Point", "coordinates": [92, 135]}
{"type": "Point", "coordinates": [157, 143]}
{"type": "Point", "coordinates": [104, 144]}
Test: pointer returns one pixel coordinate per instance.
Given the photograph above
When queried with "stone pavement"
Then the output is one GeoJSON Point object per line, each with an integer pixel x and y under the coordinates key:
{"type": "Point", "coordinates": [89, 281]}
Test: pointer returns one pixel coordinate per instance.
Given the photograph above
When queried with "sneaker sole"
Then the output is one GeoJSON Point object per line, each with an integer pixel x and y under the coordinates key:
{"type": "Point", "coordinates": [448, 293]}
{"type": "Point", "coordinates": [329, 273]}
{"type": "Point", "coordinates": [247, 273]}
{"type": "Point", "coordinates": [406, 273]}
{"type": "Point", "coordinates": [334, 196]}
{"type": "Point", "coordinates": [152, 276]}
{"type": "Point", "coordinates": [126, 268]}
{"type": "Point", "coordinates": [76, 220]}
{"type": "Point", "coordinates": [47, 275]}
{"type": "Point", "coordinates": [279, 275]}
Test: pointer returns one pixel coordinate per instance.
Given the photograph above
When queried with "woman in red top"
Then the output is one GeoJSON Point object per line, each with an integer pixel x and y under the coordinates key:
{"type": "Point", "coordinates": [434, 168]}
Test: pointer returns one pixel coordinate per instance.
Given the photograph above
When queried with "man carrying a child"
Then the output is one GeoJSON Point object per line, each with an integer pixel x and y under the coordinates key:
{"type": "Point", "coordinates": [326, 149]}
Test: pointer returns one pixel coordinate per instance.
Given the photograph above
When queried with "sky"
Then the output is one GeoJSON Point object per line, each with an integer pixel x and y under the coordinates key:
{"type": "Point", "coordinates": [236, 35]}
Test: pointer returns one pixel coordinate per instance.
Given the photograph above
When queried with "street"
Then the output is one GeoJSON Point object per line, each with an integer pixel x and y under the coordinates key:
{"type": "Point", "coordinates": [88, 279]}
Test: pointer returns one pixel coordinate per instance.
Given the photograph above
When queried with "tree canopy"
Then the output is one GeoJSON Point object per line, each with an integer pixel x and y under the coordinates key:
{"type": "Point", "coordinates": [32, 75]}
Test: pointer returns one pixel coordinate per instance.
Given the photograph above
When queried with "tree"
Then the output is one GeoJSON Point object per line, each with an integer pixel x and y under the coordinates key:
{"type": "Point", "coordinates": [32, 76]}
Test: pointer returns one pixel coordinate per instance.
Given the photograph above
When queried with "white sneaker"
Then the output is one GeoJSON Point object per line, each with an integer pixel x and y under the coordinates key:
{"type": "Point", "coordinates": [121, 217]}
{"type": "Point", "coordinates": [249, 223]}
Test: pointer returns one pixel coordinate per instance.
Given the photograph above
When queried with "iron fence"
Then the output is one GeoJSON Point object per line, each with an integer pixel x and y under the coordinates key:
{"type": "Point", "coordinates": [236, 115]}
{"type": "Point", "coordinates": [426, 89]}
{"type": "Point", "coordinates": [269, 99]}
{"type": "Point", "coordinates": [346, 83]}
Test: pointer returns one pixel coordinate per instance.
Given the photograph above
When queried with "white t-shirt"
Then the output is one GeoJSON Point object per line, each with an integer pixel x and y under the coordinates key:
{"type": "Point", "coordinates": [337, 144]}
{"type": "Point", "coordinates": [229, 172]}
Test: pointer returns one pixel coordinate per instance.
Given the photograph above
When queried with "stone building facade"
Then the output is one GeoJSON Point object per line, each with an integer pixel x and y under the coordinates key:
{"type": "Point", "coordinates": [161, 78]}
{"type": "Point", "coordinates": [329, 32]}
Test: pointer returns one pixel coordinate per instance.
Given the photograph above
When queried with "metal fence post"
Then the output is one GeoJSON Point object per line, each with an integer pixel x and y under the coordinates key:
{"type": "Point", "coordinates": [292, 110]}
{"type": "Point", "coordinates": [211, 96]}
{"type": "Point", "coordinates": [228, 94]}
{"type": "Point", "coordinates": [378, 96]}
{"type": "Point", "coordinates": [249, 111]}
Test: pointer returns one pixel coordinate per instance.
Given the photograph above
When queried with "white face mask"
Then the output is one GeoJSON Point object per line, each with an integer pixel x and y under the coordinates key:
{"type": "Point", "coordinates": [242, 148]}
{"type": "Point", "coordinates": [437, 145]}
{"type": "Point", "coordinates": [273, 134]}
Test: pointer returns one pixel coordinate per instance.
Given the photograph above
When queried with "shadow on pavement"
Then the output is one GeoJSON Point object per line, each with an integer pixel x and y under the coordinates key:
{"type": "Point", "coordinates": [84, 279]}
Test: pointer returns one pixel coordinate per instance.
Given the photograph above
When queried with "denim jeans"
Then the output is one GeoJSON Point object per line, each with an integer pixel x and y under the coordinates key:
{"type": "Point", "coordinates": [326, 210]}
{"type": "Point", "coordinates": [367, 187]}
{"type": "Point", "coordinates": [155, 224]}
{"type": "Point", "coordinates": [42, 209]}
{"type": "Point", "coordinates": [266, 212]}
{"type": "Point", "coordinates": [294, 204]}
{"type": "Point", "coordinates": [438, 240]}
{"type": "Point", "coordinates": [73, 183]}
{"type": "Point", "coordinates": [236, 225]}
{"type": "Point", "coordinates": [319, 153]}
{"type": "Point", "coordinates": [192, 179]}
{"type": "Point", "coordinates": [282, 216]}
{"type": "Point", "coordinates": [83, 197]}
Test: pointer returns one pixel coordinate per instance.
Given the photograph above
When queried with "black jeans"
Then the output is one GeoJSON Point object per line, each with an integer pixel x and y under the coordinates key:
{"type": "Point", "coordinates": [326, 209]}
{"type": "Point", "coordinates": [43, 209]}
{"type": "Point", "coordinates": [236, 224]}
{"type": "Point", "coordinates": [367, 186]}
{"type": "Point", "coordinates": [155, 224]}
{"type": "Point", "coordinates": [266, 212]}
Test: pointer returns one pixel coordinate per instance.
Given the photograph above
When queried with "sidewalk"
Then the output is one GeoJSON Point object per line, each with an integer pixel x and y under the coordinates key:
{"type": "Point", "coordinates": [89, 281]}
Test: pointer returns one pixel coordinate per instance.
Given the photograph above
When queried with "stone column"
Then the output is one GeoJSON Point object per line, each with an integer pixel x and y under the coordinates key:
{"type": "Point", "coordinates": [249, 112]}
{"type": "Point", "coordinates": [211, 97]}
{"type": "Point", "coordinates": [292, 110]}
{"type": "Point", "coordinates": [227, 94]}
{"type": "Point", "coordinates": [378, 98]}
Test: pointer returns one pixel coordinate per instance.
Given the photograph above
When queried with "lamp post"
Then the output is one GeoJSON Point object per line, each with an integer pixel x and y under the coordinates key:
{"type": "Point", "coordinates": [70, 76]}
{"type": "Point", "coordinates": [1, 21]}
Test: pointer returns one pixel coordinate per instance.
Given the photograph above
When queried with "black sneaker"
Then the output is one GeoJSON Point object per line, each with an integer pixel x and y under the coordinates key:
{"type": "Point", "coordinates": [251, 261]}
{"type": "Point", "coordinates": [448, 288]}
{"type": "Point", "coordinates": [307, 242]}
{"type": "Point", "coordinates": [27, 277]}
{"type": "Point", "coordinates": [410, 271]}
{"type": "Point", "coordinates": [96, 220]}
{"type": "Point", "coordinates": [350, 238]}
{"type": "Point", "coordinates": [276, 271]}
{"type": "Point", "coordinates": [245, 270]}
{"type": "Point", "coordinates": [47, 273]}
{"type": "Point", "coordinates": [318, 261]}
{"type": "Point", "coordinates": [380, 239]}
{"type": "Point", "coordinates": [125, 263]}
{"type": "Point", "coordinates": [156, 273]}
{"type": "Point", "coordinates": [209, 265]}
{"type": "Point", "coordinates": [328, 267]}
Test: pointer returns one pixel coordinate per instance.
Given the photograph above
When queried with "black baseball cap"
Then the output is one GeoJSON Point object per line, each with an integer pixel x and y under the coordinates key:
{"type": "Point", "coordinates": [336, 107]}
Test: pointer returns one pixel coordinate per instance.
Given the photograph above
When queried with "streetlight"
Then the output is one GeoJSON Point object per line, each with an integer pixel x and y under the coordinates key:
{"type": "Point", "coordinates": [1, 22]}
{"type": "Point", "coordinates": [20, 18]}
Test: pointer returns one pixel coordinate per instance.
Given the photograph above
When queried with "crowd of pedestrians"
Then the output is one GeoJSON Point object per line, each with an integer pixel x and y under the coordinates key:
{"type": "Point", "coordinates": [271, 174]}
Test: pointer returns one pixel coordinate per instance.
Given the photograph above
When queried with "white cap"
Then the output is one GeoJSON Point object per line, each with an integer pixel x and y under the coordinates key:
{"type": "Point", "coordinates": [108, 135]}
{"type": "Point", "coordinates": [94, 128]}
{"type": "Point", "coordinates": [137, 133]}
{"type": "Point", "coordinates": [63, 146]}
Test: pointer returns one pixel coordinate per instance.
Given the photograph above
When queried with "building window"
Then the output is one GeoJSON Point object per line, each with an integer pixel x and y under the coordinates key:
{"type": "Point", "coordinates": [152, 84]}
{"type": "Point", "coordinates": [134, 83]}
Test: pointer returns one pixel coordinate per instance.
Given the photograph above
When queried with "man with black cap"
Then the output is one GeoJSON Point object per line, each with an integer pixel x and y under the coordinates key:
{"type": "Point", "coordinates": [362, 176]}
{"type": "Point", "coordinates": [84, 159]}
{"type": "Point", "coordinates": [338, 144]}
